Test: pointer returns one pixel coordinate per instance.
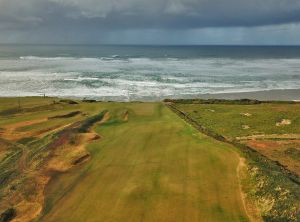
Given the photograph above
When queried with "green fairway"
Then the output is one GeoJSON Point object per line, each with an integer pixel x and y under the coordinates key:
{"type": "Point", "coordinates": [153, 167]}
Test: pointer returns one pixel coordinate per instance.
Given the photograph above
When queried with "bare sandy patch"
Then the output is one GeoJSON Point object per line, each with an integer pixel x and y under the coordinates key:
{"type": "Point", "coordinates": [25, 193]}
{"type": "Point", "coordinates": [105, 118]}
{"type": "Point", "coordinates": [284, 122]}
{"type": "Point", "coordinates": [270, 136]}
{"type": "Point", "coordinates": [245, 127]}
{"type": "Point", "coordinates": [10, 132]}
{"type": "Point", "coordinates": [126, 116]}
{"type": "Point", "coordinates": [29, 200]}
{"type": "Point", "coordinates": [31, 206]}
{"type": "Point", "coordinates": [68, 155]}
{"type": "Point", "coordinates": [246, 114]}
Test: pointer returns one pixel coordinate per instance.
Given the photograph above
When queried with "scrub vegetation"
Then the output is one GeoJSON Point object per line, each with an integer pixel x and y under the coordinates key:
{"type": "Point", "coordinates": [270, 144]}
{"type": "Point", "coordinates": [71, 160]}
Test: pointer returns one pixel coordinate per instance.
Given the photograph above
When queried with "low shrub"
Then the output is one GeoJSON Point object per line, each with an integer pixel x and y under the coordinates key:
{"type": "Point", "coordinates": [89, 101]}
{"type": "Point", "coordinates": [68, 101]}
{"type": "Point", "coordinates": [225, 101]}
{"type": "Point", "coordinates": [68, 115]}
{"type": "Point", "coordinates": [8, 215]}
{"type": "Point", "coordinates": [86, 125]}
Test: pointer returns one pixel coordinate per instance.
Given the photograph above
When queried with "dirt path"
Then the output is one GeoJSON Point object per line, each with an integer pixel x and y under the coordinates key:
{"type": "Point", "coordinates": [249, 208]}
{"type": "Point", "coordinates": [269, 136]}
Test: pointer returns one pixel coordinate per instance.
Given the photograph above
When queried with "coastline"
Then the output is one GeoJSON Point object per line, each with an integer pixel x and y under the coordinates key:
{"type": "Point", "coordinates": [266, 95]}
{"type": "Point", "coordinates": [273, 95]}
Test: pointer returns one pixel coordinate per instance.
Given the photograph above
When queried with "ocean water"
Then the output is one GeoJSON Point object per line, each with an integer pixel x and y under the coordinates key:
{"type": "Point", "coordinates": [126, 73]}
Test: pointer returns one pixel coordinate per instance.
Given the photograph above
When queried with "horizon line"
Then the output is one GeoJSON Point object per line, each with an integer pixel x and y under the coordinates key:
{"type": "Point", "coordinates": [120, 44]}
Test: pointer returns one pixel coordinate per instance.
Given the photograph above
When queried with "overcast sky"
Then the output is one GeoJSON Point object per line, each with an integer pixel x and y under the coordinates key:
{"type": "Point", "coordinates": [150, 21]}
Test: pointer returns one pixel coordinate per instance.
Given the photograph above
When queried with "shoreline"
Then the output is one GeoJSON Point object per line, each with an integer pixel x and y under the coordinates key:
{"type": "Point", "coordinates": [266, 95]}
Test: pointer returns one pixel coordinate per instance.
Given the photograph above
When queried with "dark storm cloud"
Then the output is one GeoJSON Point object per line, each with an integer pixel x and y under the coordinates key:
{"type": "Point", "coordinates": [124, 14]}
{"type": "Point", "coordinates": [150, 21]}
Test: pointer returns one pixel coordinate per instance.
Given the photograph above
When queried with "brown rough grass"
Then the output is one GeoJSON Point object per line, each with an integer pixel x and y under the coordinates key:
{"type": "Point", "coordinates": [66, 151]}
{"type": "Point", "coordinates": [10, 132]}
{"type": "Point", "coordinates": [65, 156]}
{"type": "Point", "coordinates": [275, 150]}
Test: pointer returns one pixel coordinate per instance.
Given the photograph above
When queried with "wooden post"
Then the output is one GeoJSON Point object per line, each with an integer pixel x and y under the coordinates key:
{"type": "Point", "coordinates": [19, 103]}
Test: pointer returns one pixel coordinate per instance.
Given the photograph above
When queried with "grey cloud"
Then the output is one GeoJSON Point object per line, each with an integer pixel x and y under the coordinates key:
{"type": "Point", "coordinates": [183, 13]}
{"type": "Point", "coordinates": [150, 21]}
{"type": "Point", "coordinates": [118, 14]}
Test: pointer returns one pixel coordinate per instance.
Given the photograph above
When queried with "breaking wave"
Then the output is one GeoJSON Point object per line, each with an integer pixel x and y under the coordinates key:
{"type": "Point", "coordinates": [132, 78]}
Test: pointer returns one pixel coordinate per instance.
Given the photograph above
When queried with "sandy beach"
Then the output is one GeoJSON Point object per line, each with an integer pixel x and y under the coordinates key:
{"type": "Point", "coordinates": [278, 95]}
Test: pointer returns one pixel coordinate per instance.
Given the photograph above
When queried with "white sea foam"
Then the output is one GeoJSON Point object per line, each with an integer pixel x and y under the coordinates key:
{"type": "Point", "coordinates": [45, 58]}
{"type": "Point", "coordinates": [137, 78]}
{"type": "Point", "coordinates": [79, 79]}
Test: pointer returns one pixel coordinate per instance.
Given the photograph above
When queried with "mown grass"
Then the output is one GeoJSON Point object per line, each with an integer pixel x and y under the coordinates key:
{"type": "Point", "coordinates": [153, 167]}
